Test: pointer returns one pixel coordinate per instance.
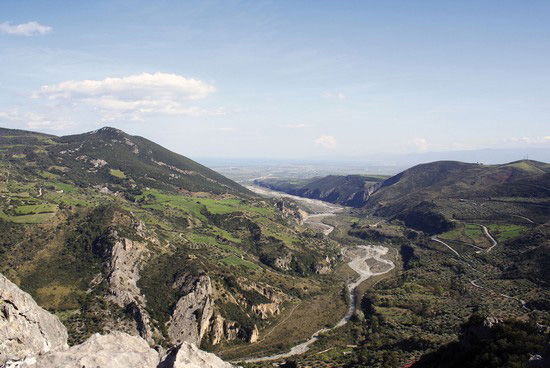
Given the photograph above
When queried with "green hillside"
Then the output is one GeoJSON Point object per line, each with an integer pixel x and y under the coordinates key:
{"type": "Point", "coordinates": [110, 231]}
{"type": "Point", "coordinates": [113, 158]}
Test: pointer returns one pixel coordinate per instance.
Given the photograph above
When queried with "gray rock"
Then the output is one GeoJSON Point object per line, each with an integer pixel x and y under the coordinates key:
{"type": "Point", "coordinates": [191, 318]}
{"type": "Point", "coordinates": [188, 355]}
{"type": "Point", "coordinates": [30, 337]}
{"type": "Point", "coordinates": [25, 328]}
{"type": "Point", "coordinates": [115, 350]}
{"type": "Point", "coordinates": [125, 257]}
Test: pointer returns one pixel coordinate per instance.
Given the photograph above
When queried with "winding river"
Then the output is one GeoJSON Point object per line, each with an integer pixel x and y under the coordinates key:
{"type": "Point", "coordinates": [365, 260]}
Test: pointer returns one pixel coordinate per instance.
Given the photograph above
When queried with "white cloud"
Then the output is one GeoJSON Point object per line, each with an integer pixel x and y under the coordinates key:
{"type": "Point", "coordinates": [24, 29]}
{"type": "Point", "coordinates": [135, 95]}
{"type": "Point", "coordinates": [334, 95]}
{"type": "Point", "coordinates": [33, 121]}
{"type": "Point", "coordinates": [133, 86]}
{"type": "Point", "coordinates": [326, 141]}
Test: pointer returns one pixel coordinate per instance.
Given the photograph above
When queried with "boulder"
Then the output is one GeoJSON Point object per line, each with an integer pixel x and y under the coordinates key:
{"type": "Point", "coordinates": [188, 355]}
{"type": "Point", "coordinates": [25, 328]}
{"type": "Point", "coordinates": [115, 350]}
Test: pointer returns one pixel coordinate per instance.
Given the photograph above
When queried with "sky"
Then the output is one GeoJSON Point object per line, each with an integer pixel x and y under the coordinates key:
{"type": "Point", "coordinates": [282, 79]}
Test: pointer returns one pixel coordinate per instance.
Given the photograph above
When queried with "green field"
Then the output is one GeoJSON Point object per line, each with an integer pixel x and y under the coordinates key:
{"type": "Point", "coordinates": [117, 173]}
{"type": "Point", "coordinates": [27, 219]}
{"type": "Point", "coordinates": [238, 261]}
{"type": "Point", "coordinates": [506, 231]}
{"type": "Point", "coordinates": [470, 233]}
{"type": "Point", "coordinates": [194, 206]}
{"type": "Point", "coordinates": [35, 209]}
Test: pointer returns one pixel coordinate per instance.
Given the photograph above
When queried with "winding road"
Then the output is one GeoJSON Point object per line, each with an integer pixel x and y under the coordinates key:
{"type": "Point", "coordinates": [474, 283]}
{"type": "Point", "coordinates": [445, 244]}
{"type": "Point", "coordinates": [490, 237]}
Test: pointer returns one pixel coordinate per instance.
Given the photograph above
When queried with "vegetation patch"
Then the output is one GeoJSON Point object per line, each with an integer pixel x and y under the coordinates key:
{"type": "Point", "coordinates": [35, 209]}
{"type": "Point", "coordinates": [117, 173]}
{"type": "Point", "coordinates": [468, 233]}
{"type": "Point", "coordinates": [504, 232]}
{"type": "Point", "coordinates": [238, 261]}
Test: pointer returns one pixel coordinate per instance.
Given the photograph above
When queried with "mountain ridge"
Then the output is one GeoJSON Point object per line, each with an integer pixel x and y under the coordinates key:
{"type": "Point", "coordinates": [423, 187]}
{"type": "Point", "coordinates": [114, 232]}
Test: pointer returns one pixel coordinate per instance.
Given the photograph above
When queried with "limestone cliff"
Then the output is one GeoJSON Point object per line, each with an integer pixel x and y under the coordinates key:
{"type": "Point", "coordinates": [25, 328]}
{"type": "Point", "coordinates": [30, 337]}
{"type": "Point", "coordinates": [123, 259]}
{"type": "Point", "coordinates": [191, 317]}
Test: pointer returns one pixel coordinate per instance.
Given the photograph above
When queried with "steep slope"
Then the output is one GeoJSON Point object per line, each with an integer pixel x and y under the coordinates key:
{"type": "Point", "coordinates": [110, 156]}
{"type": "Point", "coordinates": [31, 337]}
{"type": "Point", "coordinates": [350, 190]}
{"type": "Point", "coordinates": [429, 196]}
{"type": "Point", "coordinates": [452, 179]}
{"type": "Point", "coordinates": [113, 232]}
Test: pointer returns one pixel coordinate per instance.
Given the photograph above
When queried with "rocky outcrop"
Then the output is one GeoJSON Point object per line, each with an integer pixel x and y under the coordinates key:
{"type": "Point", "coordinates": [189, 356]}
{"type": "Point", "coordinates": [30, 337]}
{"type": "Point", "coordinates": [283, 262]}
{"type": "Point", "coordinates": [266, 310]}
{"type": "Point", "coordinates": [254, 335]}
{"type": "Point", "coordinates": [191, 317]}
{"type": "Point", "coordinates": [291, 211]}
{"type": "Point", "coordinates": [115, 350]}
{"type": "Point", "coordinates": [25, 328]}
{"type": "Point", "coordinates": [120, 350]}
{"type": "Point", "coordinates": [222, 329]}
{"type": "Point", "coordinates": [123, 261]}
{"type": "Point", "coordinates": [323, 267]}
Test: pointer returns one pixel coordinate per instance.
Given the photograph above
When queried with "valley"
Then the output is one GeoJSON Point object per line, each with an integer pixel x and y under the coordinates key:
{"type": "Point", "coordinates": [111, 232]}
{"type": "Point", "coordinates": [365, 261]}
{"type": "Point", "coordinates": [274, 184]}
{"type": "Point", "coordinates": [478, 250]}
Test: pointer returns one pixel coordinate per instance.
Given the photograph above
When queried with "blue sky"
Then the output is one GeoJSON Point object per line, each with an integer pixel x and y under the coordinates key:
{"type": "Point", "coordinates": [282, 79]}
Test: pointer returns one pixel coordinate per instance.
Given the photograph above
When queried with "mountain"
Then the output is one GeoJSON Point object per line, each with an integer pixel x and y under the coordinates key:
{"type": "Point", "coordinates": [451, 190]}
{"type": "Point", "coordinates": [348, 190]}
{"type": "Point", "coordinates": [131, 245]}
{"type": "Point", "coordinates": [429, 196]}
{"type": "Point", "coordinates": [112, 232]}
{"type": "Point", "coordinates": [110, 156]}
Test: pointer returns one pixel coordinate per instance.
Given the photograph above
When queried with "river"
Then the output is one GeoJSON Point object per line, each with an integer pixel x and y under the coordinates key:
{"type": "Point", "coordinates": [365, 260]}
{"type": "Point", "coordinates": [316, 210]}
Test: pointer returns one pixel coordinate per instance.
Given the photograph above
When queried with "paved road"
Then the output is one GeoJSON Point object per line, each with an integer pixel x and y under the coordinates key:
{"type": "Point", "coordinates": [445, 244]}
{"type": "Point", "coordinates": [490, 237]}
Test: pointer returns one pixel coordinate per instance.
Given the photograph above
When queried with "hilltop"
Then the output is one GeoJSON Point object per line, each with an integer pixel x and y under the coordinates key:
{"type": "Point", "coordinates": [445, 189]}
{"type": "Point", "coordinates": [110, 156]}
{"type": "Point", "coordinates": [113, 232]}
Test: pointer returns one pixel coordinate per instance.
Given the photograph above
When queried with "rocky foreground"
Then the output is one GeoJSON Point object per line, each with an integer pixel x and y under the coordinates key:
{"type": "Point", "coordinates": [30, 337]}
